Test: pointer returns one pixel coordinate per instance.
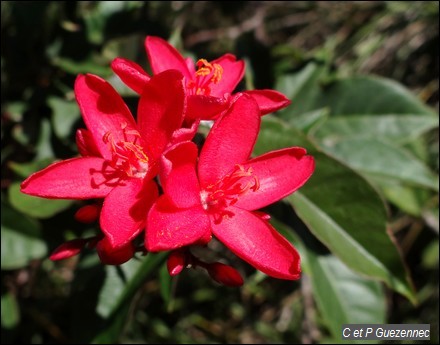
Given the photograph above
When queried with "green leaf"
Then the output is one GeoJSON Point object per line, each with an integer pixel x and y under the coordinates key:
{"type": "Point", "coordinates": [411, 200]}
{"type": "Point", "coordinates": [394, 128]}
{"type": "Point", "coordinates": [88, 65]}
{"type": "Point", "coordinates": [302, 88]}
{"type": "Point", "coordinates": [377, 158]}
{"type": "Point", "coordinates": [103, 296]}
{"type": "Point", "coordinates": [122, 282]}
{"type": "Point", "coordinates": [10, 311]}
{"type": "Point", "coordinates": [21, 241]}
{"type": "Point", "coordinates": [165, 285]}
{"type": "Point", "coordinates": [34, 206]}
{"type": "Point", "coordinates": [342, 296]}
{"type": "Point", "coordinates": [120, 285]}
{"type": "Point", "coordinates": [26, 169]}
{"type": "Point", "coordinates": [359, 95]}
{"type": "Point", "coordinates": [342, 210]}
{"type": "Point", "coordinates": [65, 114]}
{"type": "Point", "coordinates": [306, 122]}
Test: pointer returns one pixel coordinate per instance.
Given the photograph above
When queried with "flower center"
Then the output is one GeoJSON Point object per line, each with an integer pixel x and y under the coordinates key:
{"type": "Point", "coordinates": [218, 197]}
{"type": "Point", "coordinates": [205, 75]}
{"type": "Point", "coordinates": [127, 155]}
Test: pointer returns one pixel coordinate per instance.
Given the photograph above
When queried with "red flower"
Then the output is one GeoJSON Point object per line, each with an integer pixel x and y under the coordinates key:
{"type": "Point", "coordinates": [209, 88]}
{"type": "Point", "coordinates": [120, 156]}
{"type": "Point", "coordinates": [219, 194]}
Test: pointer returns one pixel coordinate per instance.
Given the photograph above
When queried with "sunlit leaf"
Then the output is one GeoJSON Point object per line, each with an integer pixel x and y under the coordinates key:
{"type": "Point", "coordinates": [360, 95]}
{"type": "Point", "coordinates": [395, 128]}
{"type": "Point", "coordinates": [378, 158]}
{"type": "Point", "coordinates": [342, 210]}
{"type": "Point", "coordinates": [342, 296]}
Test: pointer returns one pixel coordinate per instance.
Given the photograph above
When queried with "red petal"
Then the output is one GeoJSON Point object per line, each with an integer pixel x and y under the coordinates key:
{"type": "Point", "coordinates": [269, 101]}
{"type": "Point", "coordinates": [111, 256]}
{"type": "Point", "coordinates": [186, 132]}
{"type": "Point", "coordinates": [178, 177]}
{"type": "Point", "coordinates": [190, 64]}
{"type": "Point", "coordinates": [230, 140]}
{"type": "Point", "coordinates": [279, 173]}
{"type": "Point", "coordinates": [161, 110]}
{"type": "Point", "coordinates": [85, 143]}
{"type": "Point", "coordinates": [170, 228]}
{"type": "Point", "coordinates": [131, 74]}
{"type": "Point", "coordinates": [206, 107]}
{"type": "Point", "coordinates": [257, 242]}
{"type": "Point", "coordinates": [76, 178]}
{"type": "Point", "coordinates": [125, 210]}
{"type": "Point", "coordinates": [68, 249]}
{"type": "Point", "coordinates": [163, 56]}
{"type": "Point", "coordinates": [103, 111]}
{"type": "Point", "coordinates": [233, 72]}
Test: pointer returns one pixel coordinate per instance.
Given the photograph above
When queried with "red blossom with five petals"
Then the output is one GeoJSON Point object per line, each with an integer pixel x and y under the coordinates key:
{"type": "Point", "coordinates": [209, 85]}
{"type": "Point", "coordinates": [119, 155]}
{"type": "Point", "coordinates": [219, 193]}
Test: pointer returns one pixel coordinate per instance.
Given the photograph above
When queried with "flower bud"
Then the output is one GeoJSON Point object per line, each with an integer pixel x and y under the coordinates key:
{"type": "Point", "coordinates": [112, 256]}
{"type": "Point", "coordinates": [224, 274]}
{"type": "Point", "coordinates": [68, 249]}
{"type": "Point", "coordinates": [87, 214]}
{"type": "Point", "coordinates": [176, 262]}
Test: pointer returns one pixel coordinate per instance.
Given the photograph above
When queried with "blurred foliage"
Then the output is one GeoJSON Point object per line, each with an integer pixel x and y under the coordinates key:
{"type": "Point", "coordinates": [363, 80]}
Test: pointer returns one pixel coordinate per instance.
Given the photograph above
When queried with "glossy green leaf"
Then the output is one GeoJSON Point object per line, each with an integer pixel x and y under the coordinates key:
{"type": "Point", "coordinates": [306, 122]}
{"type": "Point", "coordinates": [302, 88]}
{"type": "Point", "coordinates": [343, 296]}
{"type": "Point", "coordinates": [411, 200]}
{"type": "Point", "coordinates": [342, 210]}
{"type": "Point", "coordinates": [360, 95]}
{"type": "Point", "coordinates": [21, 241]}
{"type": "Point", "coordinates": [34, 206]}
{"type": "Point", "coordinates": [378, 158]}
{"type": "Point", "coordinates": [395, 128]}
{"type": "Point", "coordinates": [10, 311]}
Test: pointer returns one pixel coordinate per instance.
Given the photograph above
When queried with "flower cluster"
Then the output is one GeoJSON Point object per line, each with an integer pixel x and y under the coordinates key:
{"type": "Point", "coordinates": [153, 189]}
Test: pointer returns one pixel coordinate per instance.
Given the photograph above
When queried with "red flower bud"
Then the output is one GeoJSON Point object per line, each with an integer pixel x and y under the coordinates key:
{"type": "Point", "coordinates": [111, 256]}
{"type": "Point", "coordinates": [87, 214]}
{"type": "Point", "coordinates": [224, 274]}
{"type": "Point", "coordinates": [176, 262]}
{"type": "Point", "coordinates": [68, 249]}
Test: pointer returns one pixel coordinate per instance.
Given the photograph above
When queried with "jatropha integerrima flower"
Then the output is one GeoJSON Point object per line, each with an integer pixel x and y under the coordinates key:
{"type": "Point", "coordinates": [147, 176]}
{"type": "Point", "coordinates": [119, 156]}
{"type": "Point", "coordinates": [209, 85]}
{"type": "Point", "coordinates": [217, 193]}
